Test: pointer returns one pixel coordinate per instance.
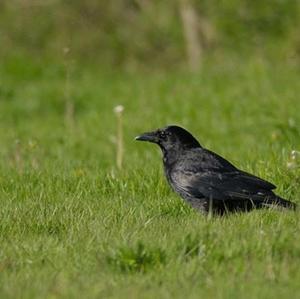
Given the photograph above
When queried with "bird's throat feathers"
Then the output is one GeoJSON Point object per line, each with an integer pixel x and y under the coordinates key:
{"type": "Point", "coordinates": [170, 156]}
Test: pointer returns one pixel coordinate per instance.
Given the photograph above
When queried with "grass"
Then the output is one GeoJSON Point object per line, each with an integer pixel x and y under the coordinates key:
{"type": "Point", "coordinates": [73, 226]}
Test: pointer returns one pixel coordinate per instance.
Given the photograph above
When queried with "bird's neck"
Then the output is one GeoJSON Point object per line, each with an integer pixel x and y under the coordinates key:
{"type": "Point", "coordinates": [170, 157]}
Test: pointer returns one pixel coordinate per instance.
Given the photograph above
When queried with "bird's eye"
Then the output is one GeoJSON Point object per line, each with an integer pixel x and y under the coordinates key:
{"type": "Point", "coordinates": [162, 135]}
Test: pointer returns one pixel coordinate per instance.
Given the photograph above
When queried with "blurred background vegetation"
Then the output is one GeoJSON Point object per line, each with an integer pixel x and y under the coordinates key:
{"type": "Point", "coordinates": [151, 34]}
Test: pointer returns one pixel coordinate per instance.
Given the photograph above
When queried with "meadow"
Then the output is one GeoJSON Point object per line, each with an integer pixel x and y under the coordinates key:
{"type": "Point", "coordinates": [72, 225]}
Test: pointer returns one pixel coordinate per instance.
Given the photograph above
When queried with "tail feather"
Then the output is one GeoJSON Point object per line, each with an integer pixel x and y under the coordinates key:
{"type": "Point", "coordinates": [279, 201]}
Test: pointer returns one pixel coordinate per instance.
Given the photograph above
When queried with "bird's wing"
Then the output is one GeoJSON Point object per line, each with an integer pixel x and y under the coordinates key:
{"type": "Point", "coordinates": [200, 159]}
{"type": "Point", "coordinates": [252, 179]}
{"type": "Point", "coordinates": [221, 186]}
{"type": "Point", "coordinates": [219, 164]}
{"type": "Point", "coordinates": [203, 173]}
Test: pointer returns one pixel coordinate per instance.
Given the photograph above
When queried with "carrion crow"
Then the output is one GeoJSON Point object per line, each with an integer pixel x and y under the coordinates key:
{"type": "Point", "coordinates": [208, 182]}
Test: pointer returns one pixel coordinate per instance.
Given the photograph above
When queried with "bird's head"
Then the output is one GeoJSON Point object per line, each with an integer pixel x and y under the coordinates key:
{"type": "Point", "coordinates": [170, 138]}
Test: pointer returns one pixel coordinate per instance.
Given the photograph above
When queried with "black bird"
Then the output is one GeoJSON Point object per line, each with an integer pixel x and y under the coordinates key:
{"type": "Point", "coordinates": [205, 180]}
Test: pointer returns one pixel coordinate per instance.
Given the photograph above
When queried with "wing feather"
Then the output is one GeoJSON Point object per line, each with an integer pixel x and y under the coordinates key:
{"type": "Point", "coordinates": [203, 173]}
{"type": "Point", "coordinates": [230, 185]}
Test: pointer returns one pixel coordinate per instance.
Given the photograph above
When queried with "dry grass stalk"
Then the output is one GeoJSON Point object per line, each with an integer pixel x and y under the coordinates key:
{"type": "Point", "coordinates": [190, 22]}
{"type": "Point", "coordinates": [69, 105]}
{"type": "Point", "coordinates": [119, 142]}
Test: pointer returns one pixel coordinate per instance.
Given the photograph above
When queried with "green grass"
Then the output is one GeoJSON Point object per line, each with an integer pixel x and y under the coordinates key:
{"type": "Point", "coordinates": [73, 226]}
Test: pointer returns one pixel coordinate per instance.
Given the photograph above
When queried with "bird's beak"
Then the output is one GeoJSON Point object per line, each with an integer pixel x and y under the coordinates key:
{"type": "Point", "coordinates": [149, 136]}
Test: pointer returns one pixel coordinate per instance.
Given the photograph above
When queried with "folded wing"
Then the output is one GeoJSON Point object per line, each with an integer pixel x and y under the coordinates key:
{"type": "Point", "coordinates": [223, 186]}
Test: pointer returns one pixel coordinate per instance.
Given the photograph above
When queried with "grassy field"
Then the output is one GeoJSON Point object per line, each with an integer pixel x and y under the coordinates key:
{"type": "Point", "coordinates": [73, 226]}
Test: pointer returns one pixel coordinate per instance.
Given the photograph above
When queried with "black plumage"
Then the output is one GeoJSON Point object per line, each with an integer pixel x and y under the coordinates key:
{"type": "Point", "coordinates": [207, 181]}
